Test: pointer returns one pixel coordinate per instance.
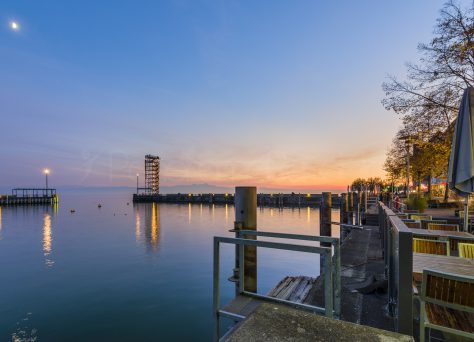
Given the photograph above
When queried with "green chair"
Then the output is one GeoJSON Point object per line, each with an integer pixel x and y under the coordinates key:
{"type": "Point", "coordinates": [447, 304]}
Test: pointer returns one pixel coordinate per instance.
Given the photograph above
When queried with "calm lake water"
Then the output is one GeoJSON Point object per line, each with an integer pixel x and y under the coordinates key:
{"type": "Point", "coordinates": [127, 272]}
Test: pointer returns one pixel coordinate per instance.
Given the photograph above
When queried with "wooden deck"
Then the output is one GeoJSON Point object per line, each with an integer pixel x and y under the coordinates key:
{"type": "Point", "coordinates": [295, 289]}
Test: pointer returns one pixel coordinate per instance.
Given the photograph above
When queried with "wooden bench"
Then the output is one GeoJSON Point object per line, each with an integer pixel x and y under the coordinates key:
{"type": "Point", "coordinates": [447, 303]}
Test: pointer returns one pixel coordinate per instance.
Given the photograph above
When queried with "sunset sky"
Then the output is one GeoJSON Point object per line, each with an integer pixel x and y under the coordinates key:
{"type": "Point", "coordinates": [278, 94]}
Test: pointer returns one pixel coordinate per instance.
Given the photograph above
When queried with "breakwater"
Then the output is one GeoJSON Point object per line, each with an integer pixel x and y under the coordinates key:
{"type": "Point", "coordinates": [270, 200]}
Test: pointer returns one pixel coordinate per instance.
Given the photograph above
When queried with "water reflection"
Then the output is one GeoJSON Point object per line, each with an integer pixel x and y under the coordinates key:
{"type": "Point", "coordinates": [190, 213]}
{"type": "Point", "coordinates": [308, 215]}
{"type": "Point", "coordinates": [47, 239]}
{"type": "Point", "coordinates": [0, 223]}
{"type": "Point", "coordinates": [226, 214]}
{"type": "Point", "coordinates": [137, 226]}
{"type": "Point", "coordinates": [152, 225]}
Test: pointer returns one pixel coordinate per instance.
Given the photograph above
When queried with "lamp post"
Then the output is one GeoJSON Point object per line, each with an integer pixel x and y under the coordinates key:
{"type": "Point", "coordinates": [407, 140]}
{"type": "Point", "coordinates": [137, 183]}
{"type": "Point", "coordinates": [46, 173]}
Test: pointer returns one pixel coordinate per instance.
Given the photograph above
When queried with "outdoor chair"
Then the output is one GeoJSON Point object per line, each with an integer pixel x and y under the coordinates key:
{"type": "Point", "coordinates": [447, 304]}
{"type": "Point", "coordinates": [466, 250]}
{"type": "Point", "coordinates": [443, 226]}
{"type": "Point", "coordinates": [424, 223]}
{"type": "Point", "coordinates": [428, 246]}
{"type": "Point", "coordinates": [403, 216]}
{"type": "Point", "coordinates": [413, 224]}
{"type": "Point", "coordinates": [418, 217]}
{"type": "Point", "coordinates": [455, 241]}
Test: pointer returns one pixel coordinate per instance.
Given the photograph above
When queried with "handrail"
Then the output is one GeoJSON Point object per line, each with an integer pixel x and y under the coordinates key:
{"type": "Point", "coordinates": [331, 278]}
{"type": "Point", "coordinates": [334, 241]}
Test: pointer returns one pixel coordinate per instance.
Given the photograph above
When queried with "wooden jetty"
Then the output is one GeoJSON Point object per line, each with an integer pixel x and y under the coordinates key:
{"type": "Point", "coordinates": [30, 196]}
{"type": "Point", "coordinates": [263, 200]}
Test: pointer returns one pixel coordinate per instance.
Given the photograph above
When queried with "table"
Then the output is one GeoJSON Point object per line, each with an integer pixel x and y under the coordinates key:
{"type": "Point", "coordinates": [442, 233]}
{"type": "Point", "coordinates": [442, 263]}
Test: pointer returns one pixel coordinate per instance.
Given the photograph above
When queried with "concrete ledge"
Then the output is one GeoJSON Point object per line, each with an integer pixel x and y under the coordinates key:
{"type": "Point", "coordinates": [273, 322]}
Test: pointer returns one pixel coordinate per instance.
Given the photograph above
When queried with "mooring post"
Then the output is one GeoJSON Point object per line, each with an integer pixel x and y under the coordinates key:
{"type": "Point", "coordinates": [350, 201]}
{"type": "Point", "coordinates": [246, 219]}
{"type": "Point", "coordinates": [357, 207]}
{"type": "Point", "coordinates": [325, 220]}
{"type": "Point", "coordinates": [343, 210]}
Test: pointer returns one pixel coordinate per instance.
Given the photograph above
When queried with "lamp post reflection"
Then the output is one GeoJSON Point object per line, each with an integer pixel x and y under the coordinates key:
{"type": "Point", "coordinates": [137, 226]}
{"type": "Point", "coordinates": [151, 226]}
{"type": "Point", "coordinates": [47, 239]}
{"type": "Point", "coordinates": [190, 213]}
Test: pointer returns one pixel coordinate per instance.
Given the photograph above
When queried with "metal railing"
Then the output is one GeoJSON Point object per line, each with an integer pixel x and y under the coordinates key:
{"type": "Point", "coordinates": [331, 267]}
{"type": "Point", "coordinates": [397, 248]}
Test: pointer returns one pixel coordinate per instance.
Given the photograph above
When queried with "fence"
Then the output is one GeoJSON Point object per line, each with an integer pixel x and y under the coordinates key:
{"type": "Point", "coordinates": [331, 268]}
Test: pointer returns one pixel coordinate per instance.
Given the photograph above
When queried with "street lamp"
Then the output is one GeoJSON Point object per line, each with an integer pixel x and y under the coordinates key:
{"type": "Point", "coordinates": [137, 183]}
{"type": "Point", "coordinates": [46, 173]}
{"type": "Point", "coordinates": [407, 139]}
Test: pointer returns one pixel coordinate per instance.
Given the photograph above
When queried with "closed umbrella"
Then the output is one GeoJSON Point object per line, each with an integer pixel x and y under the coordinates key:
{"type": "Point", "coordinates": [461, 160]}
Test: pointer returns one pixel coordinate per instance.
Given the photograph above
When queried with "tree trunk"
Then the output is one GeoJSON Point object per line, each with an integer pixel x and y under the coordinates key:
{"type": "Point", "coordinates": [429, 185]}
{"type": "Point", "coordinates": [446, 192]}
{"type": "Point", "coordinates": [419, 183]}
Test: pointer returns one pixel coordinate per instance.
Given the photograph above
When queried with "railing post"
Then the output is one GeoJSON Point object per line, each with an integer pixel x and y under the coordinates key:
{"type": "Point", "coordinates": [328, 285]}
{"type": "Point", "coordinates": [357, 200]}
{"type": "Point", "coordinates": [216, 291]}
{"type": "Point", "coordinates": [337, 278]}
{"type": "Point", "coordinates": [246, 214]}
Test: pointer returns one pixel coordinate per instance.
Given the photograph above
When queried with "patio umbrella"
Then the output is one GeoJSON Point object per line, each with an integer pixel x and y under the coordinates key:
{"type": "Point", "coordinates": [461, 160]}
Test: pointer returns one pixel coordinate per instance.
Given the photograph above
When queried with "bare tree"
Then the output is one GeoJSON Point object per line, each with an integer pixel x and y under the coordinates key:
{"type": "Point", "coordinates": [428, 99]}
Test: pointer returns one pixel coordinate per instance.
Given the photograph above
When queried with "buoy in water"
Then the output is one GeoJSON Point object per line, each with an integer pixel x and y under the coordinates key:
{"type": "Point", "coordinates": [73, 210]}
{"type": "Point", "coordinates": [99, 205]}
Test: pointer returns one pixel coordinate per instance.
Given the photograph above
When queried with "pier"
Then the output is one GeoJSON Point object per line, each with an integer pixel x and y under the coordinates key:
{"type": "Point", "coordinates": [371, 286]}
{"type": "Point", "coordinates": [30, 196]}
{"type": "Point", "coordinates": [263, 200]}
{"type": "Point", "coordinates": [347, 300]}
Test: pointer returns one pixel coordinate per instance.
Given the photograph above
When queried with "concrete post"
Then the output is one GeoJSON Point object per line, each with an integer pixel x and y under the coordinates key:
{"type": "Point", "coordinates": [246, 218]}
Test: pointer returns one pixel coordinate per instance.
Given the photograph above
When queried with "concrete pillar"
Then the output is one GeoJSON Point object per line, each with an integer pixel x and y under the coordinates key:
{"type": "Point", "coordinates": [246, 218]}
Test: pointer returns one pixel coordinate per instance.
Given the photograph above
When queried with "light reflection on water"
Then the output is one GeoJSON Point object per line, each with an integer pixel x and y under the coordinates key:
{"type": "Point", "coordinates": [47, 239]}
{"type": "Point", "coordinates": [137, 272]}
